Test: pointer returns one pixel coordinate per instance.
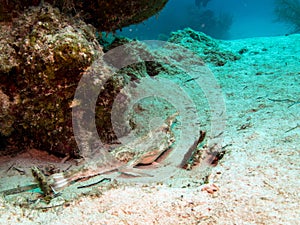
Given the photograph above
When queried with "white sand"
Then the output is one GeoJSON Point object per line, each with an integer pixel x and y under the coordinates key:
{"type": "Point", "coordinates": [258, 178]}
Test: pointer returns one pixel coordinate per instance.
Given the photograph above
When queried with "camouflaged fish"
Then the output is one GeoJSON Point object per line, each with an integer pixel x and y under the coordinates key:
{"type": "Point", "coordinates": [143, 150]}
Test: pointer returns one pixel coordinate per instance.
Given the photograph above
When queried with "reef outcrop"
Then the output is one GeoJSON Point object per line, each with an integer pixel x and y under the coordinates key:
{"type": "Point", "coordinates": [104, 15]}
{"type": "Point", "coordinates": [43, 56]}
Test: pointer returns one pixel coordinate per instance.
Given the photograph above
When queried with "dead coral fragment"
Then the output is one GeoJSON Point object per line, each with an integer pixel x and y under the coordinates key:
{"type": "Point", "coordinates": [210, 189]}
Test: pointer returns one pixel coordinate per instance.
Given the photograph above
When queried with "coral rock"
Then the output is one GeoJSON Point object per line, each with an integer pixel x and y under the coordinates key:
{"type": "Point", "coordinates": [104, 15]}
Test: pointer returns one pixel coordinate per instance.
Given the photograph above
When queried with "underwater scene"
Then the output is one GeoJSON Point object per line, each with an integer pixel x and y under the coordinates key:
{"type": "Point", "coordinates": [150, 112]}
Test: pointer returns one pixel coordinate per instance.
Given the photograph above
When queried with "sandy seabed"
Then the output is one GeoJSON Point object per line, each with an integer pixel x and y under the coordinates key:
{"type": "Point", "coordinates": [256, 182]}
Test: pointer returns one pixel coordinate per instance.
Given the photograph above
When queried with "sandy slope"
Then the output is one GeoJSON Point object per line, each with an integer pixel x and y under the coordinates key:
{"type": "Point", "coordinates": [258, 178]}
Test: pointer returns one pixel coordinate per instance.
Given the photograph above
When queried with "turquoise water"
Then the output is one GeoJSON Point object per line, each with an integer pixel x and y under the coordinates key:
{"type": "Point", "coordinates": [248, 18]}
{"type": "Point", "coordinates": [242, 94]}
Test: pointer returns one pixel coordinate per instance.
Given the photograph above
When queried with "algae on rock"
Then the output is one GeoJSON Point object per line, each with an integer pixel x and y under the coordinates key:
{"type": "Point", "coordinates": [206, 47]}
{"type": "Point", "coordinates": [48, 53]}
{"type": "Point", "coordinates": [103, 14]}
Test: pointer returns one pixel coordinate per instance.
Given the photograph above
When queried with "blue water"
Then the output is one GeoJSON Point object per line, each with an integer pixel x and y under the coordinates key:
{"type": "Point", "coordinates": [250, 18]}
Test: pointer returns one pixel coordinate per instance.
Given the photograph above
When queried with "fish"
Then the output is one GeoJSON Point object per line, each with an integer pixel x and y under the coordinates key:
{"type": "Point", "coordinates": [143, 150]}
